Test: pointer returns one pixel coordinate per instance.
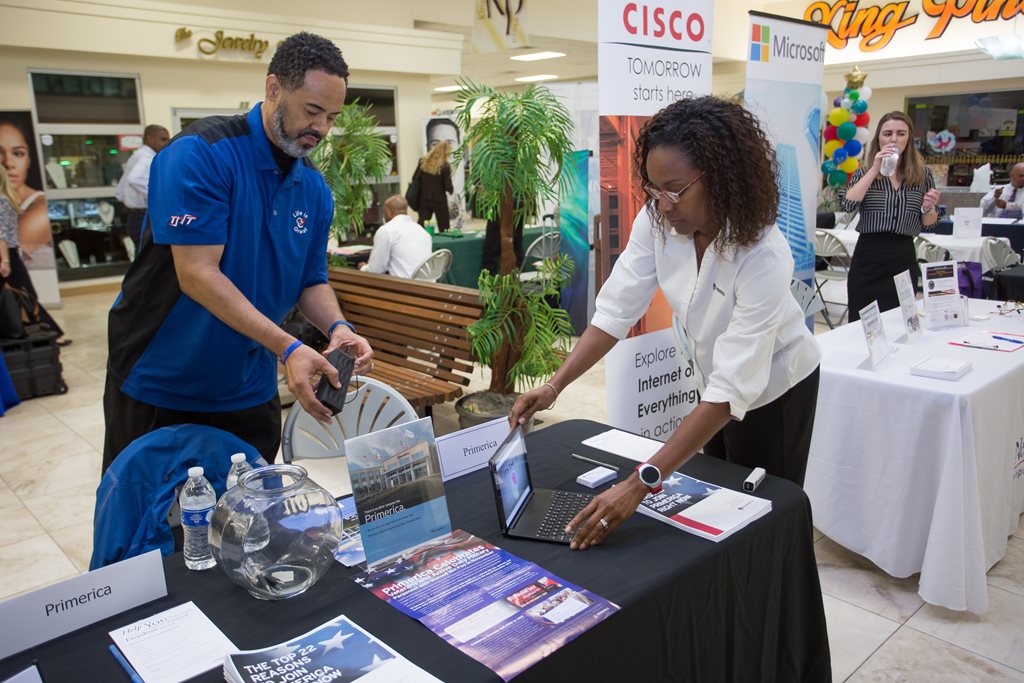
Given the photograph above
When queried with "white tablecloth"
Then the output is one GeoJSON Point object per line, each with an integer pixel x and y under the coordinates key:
{"type": "Point", "coordinates": [918, 474]}
{"type": "Point", "coordinates": [960, 248]}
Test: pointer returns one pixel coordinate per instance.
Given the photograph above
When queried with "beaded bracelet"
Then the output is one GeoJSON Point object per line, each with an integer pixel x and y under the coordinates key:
{"type": "Point", "coordinates": [346, 323]}
{"type": "Point", "coordinates": [287, 352]}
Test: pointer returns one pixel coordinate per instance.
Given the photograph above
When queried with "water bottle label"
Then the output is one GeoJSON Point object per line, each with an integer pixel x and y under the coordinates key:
{"type": "Point", "coordinates": [196, 517]}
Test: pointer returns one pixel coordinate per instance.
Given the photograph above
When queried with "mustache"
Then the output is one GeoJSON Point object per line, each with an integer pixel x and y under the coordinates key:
{"type": "Point", "coordinates": [311, 133]}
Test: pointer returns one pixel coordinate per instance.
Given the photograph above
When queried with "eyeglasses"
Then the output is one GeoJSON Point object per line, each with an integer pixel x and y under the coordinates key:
{"type": "Point", "coordinates": [1010, 307]}
{"type": "Point", "coordinates": [670, 197]}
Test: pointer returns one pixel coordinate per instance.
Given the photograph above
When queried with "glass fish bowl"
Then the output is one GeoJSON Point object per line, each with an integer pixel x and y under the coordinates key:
{"type": "Point", "coordinates": [276, 532]}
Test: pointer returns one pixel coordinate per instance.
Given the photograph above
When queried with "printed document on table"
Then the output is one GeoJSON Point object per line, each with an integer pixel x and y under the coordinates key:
{"type": "Point", "coordinates": [942, 306]}
{"type": "Point", "coordinates": [632, 446]}
{"type": "Point", "coordinates": [174, 645]}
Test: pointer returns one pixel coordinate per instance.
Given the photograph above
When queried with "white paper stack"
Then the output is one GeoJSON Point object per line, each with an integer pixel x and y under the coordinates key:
{"type": "Point", "coordinates": [941, 368]}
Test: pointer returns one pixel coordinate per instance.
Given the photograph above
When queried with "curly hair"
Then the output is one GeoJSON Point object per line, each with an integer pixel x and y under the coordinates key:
{"type": "Point", "coordinates": [729, 145]}
{"type": "Point", "coordinates": [304, 52]}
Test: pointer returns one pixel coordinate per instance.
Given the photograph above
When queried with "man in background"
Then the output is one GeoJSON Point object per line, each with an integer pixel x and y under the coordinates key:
{"type": "Point", "coordinates": [236, 234]}
{"type": "Point", "coordinates": [133, 188]}
{"type": "Point", "coordinates": [1007, 200]}
{"type": "Point", "coordinates": [401, 244]}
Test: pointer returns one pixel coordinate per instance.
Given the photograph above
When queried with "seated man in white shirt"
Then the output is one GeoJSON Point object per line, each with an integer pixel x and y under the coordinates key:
{"type": "Point", "coordinates": [1005, 201]}
{"type": "Point", "coordinates": [401, 244]}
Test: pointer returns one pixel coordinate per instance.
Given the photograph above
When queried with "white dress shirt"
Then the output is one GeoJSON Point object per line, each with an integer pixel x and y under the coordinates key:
{"type": "Point", "coordinates": [399, 247]}
{"type": "Point", "coordinates": [133, 188]}
{"type": "Point", "coordinates": [745, 330]}
{"type": "Point", "coordinates": [1014, 198]}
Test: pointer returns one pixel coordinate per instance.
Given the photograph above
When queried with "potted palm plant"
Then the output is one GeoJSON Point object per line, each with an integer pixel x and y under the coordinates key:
{"type": "Point", "coordinates": [517, 146]}
{"type": "Point", "coordinates": [351, 159]}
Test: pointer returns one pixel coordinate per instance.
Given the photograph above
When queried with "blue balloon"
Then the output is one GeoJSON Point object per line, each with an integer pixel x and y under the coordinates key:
{"type": "Point", "coordinates": [840, 155]}
{"type": "Point", "coordinates": [828, 167]}
{"type": "Point", "coordinates": [853, 148]}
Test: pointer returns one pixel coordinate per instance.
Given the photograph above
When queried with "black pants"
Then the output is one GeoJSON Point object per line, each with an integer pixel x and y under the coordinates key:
{"type": "Point", "coordinates": [425, 213]}
{"type": "Point", "coordinates": [492, 246]}
{"type": "Point", "coordinates": [127, 419]}
{"type": "Point", "coordinates": [776, 436]}
{"type": "Point", "coordinates": [136, 217]}
{"type": "Point", "coordinates": [877, 258]}
{"type": "Point", "coordinates": [20, 278]}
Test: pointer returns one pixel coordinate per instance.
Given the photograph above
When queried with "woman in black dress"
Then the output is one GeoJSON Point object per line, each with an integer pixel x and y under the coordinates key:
{"type": "Point", "coordinates": [435, 184]}
{"type": "Point", "coordinates": [893, 210]}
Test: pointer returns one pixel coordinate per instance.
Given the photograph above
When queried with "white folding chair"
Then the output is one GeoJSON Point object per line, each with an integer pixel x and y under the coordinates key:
{"type": "Point", "coordinates": [370, 405]}
{"type": "Point", "coordinates": [547, 246]}
{"type": "Point", "coordinates": [833, 253]}
{"type": "Point", "coordinates": [805, 295]}
{"type": "Point", "coordinates": [929, 252]}
{"type": "Point", "coordinates": [996, 254]}
{"type": "Point", "coordinates": [435, 267]}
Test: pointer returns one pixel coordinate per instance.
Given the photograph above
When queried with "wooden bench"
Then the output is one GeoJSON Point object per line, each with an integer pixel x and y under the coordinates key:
{"type": "Point", "coordinates": [417, 331]}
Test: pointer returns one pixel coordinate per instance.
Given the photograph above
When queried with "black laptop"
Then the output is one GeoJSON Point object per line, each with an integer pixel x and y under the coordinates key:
{"type": "Point", "coordinates": [523, 511]}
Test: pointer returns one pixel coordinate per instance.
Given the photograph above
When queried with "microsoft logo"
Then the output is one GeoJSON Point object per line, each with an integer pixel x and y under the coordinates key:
{"type": "Point", "coordinates": [759, 39]}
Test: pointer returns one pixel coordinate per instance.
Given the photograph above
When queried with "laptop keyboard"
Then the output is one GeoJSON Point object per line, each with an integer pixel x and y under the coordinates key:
{"type": "Point", "coordinates": [564, 506]}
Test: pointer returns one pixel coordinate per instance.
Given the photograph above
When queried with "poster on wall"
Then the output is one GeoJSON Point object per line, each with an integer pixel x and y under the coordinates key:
{"type": "Point", "coordinates": [783, 90]}
{"type": "Point", "coordinates": [441, 127]}
{"type": "Point", "coordinates": [648, 57]}
{"type": "Point", "coordinates": [19, 156]}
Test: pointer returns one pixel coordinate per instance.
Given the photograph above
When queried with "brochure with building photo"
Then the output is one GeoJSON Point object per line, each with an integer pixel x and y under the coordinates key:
{"type": "Point", "coordinates": [499, 609]}
{"type": "Point", "coordinates": [350, 550]}
{"type": "Point", "coordinates": [338, 650]}
{"type": "Point", "coordinates": [396, 483]}
{"type": "Point", "coordinates": [702, 509]}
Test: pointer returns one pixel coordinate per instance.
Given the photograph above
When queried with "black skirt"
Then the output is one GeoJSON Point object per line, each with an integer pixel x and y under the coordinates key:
{"type": "Point", "coordinates": [877, 258]}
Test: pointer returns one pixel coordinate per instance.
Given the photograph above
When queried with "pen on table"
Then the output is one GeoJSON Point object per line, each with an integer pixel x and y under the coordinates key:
{"type": "Point", "coordinates": [1015, 341]}
{"type": "Point", "coordinates": [595, 462]}
{"type": "Point", "coordinates": [132, 673]}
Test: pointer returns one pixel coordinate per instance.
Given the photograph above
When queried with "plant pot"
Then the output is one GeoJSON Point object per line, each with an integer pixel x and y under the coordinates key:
{"type": "Point", "coordinates": [484, 406]}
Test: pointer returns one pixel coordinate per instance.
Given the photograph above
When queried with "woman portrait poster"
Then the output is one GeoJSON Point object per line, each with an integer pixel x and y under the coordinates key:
{"type": "Point", "coordinates": [19, 156]}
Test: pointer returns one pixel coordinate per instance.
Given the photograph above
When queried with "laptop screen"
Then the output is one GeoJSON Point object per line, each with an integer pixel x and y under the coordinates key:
{"type": "Point", "coordinates": [511, 476]}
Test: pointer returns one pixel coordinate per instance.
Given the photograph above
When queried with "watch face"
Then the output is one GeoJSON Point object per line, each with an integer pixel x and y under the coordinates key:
{"type": "Point", "coordinates": [650, 475]}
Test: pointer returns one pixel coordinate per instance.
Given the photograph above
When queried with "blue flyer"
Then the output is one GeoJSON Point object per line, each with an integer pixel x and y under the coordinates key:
{"type": "Point", "coordinates": [501, 610]}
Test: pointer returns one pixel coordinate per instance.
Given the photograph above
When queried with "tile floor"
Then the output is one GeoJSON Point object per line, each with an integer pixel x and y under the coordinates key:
{"type": "Point", "coordinates": [879, 628]}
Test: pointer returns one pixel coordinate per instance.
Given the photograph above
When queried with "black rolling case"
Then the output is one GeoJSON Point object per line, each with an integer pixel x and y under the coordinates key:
{"type": "Point", "coordinates": [34, 364]}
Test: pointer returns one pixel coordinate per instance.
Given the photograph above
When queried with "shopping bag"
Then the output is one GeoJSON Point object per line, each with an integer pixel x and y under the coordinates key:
{"type": "Point", "coordinates": [412, 195]}
{"type": "Point", "coordinates": [968, 275]}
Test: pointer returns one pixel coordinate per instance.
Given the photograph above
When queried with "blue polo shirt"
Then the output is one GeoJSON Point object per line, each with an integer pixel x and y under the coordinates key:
{"type": "Point", "coordinates": [217, 183]}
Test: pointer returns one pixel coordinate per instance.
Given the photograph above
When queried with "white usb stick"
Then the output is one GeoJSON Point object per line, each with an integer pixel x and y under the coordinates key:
{"type": "Point", "coordinates": [754, 480]}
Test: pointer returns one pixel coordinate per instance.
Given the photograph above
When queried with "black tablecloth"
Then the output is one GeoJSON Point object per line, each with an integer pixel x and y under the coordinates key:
{"type": "Point", "coordinates": [1008, 284]}
{"type": "Point", "coordinates": [1011, 231]}
{"type": "Point", "coordinates": [746, 609]}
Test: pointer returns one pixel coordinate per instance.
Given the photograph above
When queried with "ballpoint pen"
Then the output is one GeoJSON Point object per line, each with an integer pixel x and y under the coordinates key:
{"type": "Point", "coordinates": [132, 673]}
{"type": "Point", "coordinates": [595, 462]}
{"type": "Point", "coordinates": [1015, 341]}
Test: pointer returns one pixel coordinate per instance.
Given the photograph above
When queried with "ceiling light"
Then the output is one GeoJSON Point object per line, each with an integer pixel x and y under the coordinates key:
{"type": "Point", "coordinates": [449, 88]}
{"type": "Point", "coordinates": [1007, 46]}
{"type": "Point", "coordinates": [534, 56]}
{"type": "Point", "coordinates": [538, 77]}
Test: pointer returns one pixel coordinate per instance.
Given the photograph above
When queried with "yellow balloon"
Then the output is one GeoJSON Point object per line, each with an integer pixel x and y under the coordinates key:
{"type": "Point", "coordinates": [831, 146]}
{"type": "Point", "coordinates": [849, 166]}
{"type": "Point", "coordinates": [838, 116]}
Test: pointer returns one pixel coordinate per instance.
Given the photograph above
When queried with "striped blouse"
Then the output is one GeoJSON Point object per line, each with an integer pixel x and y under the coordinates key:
{"type": "Point", "coordinates": [885, 209]}
{"type": "Point", "coordinates": [8, 223]}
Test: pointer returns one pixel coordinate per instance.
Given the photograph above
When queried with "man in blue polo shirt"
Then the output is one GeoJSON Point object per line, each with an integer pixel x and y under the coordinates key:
{"type": "Point", "coordinates": [235, 235]}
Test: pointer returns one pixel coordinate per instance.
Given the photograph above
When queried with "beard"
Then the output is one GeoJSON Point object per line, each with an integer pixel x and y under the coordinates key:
{"type": "Point", "coordinates": [290, 144]}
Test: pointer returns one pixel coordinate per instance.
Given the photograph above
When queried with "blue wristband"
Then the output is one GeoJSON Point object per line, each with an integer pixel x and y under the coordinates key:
{"type": "Point", "coordinates": [287, 352]}
{"type": "Point", "coordinates": [346, 323]}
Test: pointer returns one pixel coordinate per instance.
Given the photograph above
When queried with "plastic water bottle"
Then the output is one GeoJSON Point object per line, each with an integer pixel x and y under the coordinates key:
{"type": "Point", "coordinates": [197, 500]}
{"type": "Point", "coordinates": [890, 163]}
{"type": "Point", "coordinates": [239, 466]}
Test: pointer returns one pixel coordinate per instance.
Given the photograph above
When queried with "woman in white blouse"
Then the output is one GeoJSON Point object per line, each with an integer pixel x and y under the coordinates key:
{"type": "Point", "coordinates": [707, 238]}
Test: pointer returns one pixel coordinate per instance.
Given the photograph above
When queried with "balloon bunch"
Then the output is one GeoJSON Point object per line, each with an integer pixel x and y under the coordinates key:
{"type": "Point", "coordinates": [847, 134]}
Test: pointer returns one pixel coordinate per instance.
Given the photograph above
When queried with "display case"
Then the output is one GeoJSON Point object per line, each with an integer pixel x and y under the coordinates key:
{"type": "Point", "coordinates": [89, 236]}
{"type": "Point", "coordinates": [80, 160]}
